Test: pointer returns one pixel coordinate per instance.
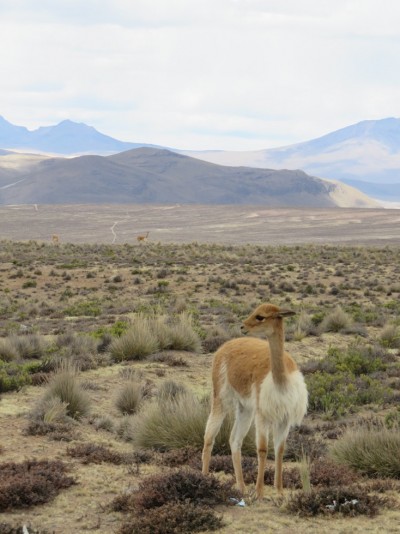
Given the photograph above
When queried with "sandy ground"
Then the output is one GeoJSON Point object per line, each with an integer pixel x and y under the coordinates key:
{"type": "Point", "coordinates": [206, 224]}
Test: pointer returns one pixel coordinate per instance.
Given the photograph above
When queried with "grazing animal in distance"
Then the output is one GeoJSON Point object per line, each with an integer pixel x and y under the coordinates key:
{"type": "Point", "coordinates": [55, 239]}
{"type": "Point", "coordinates": [143, 237]}
{"type": "Point", "coordinates": [262, 382]}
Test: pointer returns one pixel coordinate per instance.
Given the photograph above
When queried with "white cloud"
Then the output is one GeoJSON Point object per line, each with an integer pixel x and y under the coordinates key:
{"type": "Point", "coordinates": [234, 74]}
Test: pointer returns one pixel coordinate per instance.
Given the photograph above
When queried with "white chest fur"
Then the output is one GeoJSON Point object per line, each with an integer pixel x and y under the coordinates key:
{"type": "Point", "coordinates": [288, 402]}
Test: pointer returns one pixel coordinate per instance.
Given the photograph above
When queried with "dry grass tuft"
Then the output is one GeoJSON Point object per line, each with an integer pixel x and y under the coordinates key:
{"type": "Point", "coordinates": [375, 452]}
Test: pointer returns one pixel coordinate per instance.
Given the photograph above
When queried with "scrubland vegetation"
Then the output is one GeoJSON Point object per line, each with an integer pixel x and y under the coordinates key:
{"type": "Point", "coordinates": [105, 359]}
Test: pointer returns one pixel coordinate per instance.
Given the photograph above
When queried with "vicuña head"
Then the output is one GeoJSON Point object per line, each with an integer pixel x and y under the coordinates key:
{"type": "Point", "coordinates": [261, 382]}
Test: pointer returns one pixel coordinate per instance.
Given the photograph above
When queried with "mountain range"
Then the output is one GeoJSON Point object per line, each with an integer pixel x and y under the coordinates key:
{"type": "Point", "coordinates": [66, 138]}
{"type": "Point", "coordinates": [364, 155]}
{"type": "Point", "coordinates": [159, 176]}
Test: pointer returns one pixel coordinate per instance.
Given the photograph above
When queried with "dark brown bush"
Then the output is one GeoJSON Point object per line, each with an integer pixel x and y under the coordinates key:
{"type": "Point", "coordinates": [6, 528]}
{"type": "Point", "coordinates": [31, 482]}
{"type": "Point", "coordinates": [330, 501]}
{"type": "Point", "coordinates": [175, 518]}
{"type": "Point", "coordinates": [178, 457]}
{"type": "Point", "coordinates": [183, 485]}
{"type": "Point", "coordinates": [90, 453]}
{"type": "Point", "coordinates": [179, 485]}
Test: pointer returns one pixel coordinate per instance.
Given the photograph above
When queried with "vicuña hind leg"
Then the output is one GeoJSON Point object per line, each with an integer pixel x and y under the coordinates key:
{"type": "Point", "coordinates": [214, 422]}
{"type": "Point", "coordinates": [240, 428]}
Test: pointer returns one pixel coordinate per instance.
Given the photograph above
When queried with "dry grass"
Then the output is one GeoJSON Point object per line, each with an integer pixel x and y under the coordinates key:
{"type": "Point", "coordinates": [79, 318]}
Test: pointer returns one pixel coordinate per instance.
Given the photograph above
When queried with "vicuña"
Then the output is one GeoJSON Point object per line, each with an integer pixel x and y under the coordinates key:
{"type": "Point", "coordinates": [262, 382]}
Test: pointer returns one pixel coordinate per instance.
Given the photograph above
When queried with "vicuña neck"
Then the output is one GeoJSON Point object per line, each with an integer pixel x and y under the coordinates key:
{"type": "Point", "coordinates": [277, 363]}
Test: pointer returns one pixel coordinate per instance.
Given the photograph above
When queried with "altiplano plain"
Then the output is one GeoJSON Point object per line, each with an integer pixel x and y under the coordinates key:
{"type": "Point", "coordinates": [203, 269]}
{"type": "Point", "coordinates": [116, 224]}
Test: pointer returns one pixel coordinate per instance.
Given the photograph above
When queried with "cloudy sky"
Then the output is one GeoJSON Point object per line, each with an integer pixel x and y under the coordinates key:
{"type": "Point", "coordinates": [200, 74]}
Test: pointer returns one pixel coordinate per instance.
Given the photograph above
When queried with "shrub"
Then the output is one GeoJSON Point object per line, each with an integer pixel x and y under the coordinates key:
{"type": "Point", "coordinates": [336, 394]}
{"type": "Point", "coordinates": [330, 501]}
{"type": "Point", "coordinates": [31, 482]}
{"type": "Point", "coordinates": [375, 452]}
{"type": "Point", "coordinates": [13, 376]}
{"type": "Point", "coordinates": [390, 336]}
{"type": "Point", "coordinates": [84, 308]}
{"type": "Point", "coordinates": [91, 453]}
{"type": "Point", "coordinates": [183, 485]}
{"type": "Point", "coordinates": [8, 351]}
{"type": "Point", "coordinates": [357, 359]}
{"type": "Point", "coordinates": [174, 518]}
{"type": "Point", "coordinates": [129, 398]}
{"type": "Point", "coordinates": [335, 321]}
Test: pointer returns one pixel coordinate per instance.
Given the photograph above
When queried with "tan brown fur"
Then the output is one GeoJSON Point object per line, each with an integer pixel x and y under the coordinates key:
{"type": "Point", "coordinates": [263, 383]}
{"type": "Point", "coordinates": [142, 237]}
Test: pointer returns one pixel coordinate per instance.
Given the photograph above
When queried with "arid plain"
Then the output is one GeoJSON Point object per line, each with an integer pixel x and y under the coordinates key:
{"type": "Point", "coordinates": [116, 224]}
{"type": "Point", "coordinates": [77, 300]}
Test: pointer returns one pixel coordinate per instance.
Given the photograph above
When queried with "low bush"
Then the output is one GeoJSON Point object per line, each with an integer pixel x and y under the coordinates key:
{"type": "Point", "coordinates": [13, 376]}
{"type": "Point", "coordinates": [373, 451]}
{"type": "Point", "coordinates": [6, 528]}
{"type": "Point", "coordinates": [174, 518]}
{"type": "Point", "coordinates": [329, 501]}
{"type": "Point", "coordinates": [338, 393]}
{"type": "Point", "coordinates": [390, 336]}
{"type": "Point", "coordinates": [31, 483]}
{"type": "Point", "coordinates": [335, 321]}
{"type": "Point", "coordinates": [91, 453]}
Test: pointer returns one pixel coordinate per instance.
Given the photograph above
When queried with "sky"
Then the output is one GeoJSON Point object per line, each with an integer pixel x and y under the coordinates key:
{"type": "Point", "coordinates": [200, 74]}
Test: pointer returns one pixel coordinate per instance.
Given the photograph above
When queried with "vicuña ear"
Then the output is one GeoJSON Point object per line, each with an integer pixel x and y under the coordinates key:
{"type": "Point", "coordinates": [285, 313]}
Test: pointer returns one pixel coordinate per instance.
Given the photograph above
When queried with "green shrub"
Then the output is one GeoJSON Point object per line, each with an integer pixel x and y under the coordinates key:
{"type": "Point", "coordinates": [357, 359]}
{"type": "Point", "coordinates": [336, 394]}
{"type": "Point", "coordinates": [13, 376]}
{"type": "Point", "coordinates": [375, 452]}
{"type": "Point", "coordinates": [84, 308]}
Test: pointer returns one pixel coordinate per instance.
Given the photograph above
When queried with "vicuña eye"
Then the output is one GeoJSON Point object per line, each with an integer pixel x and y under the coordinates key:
{"type": "Point", "coordinates": [260, 318]}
